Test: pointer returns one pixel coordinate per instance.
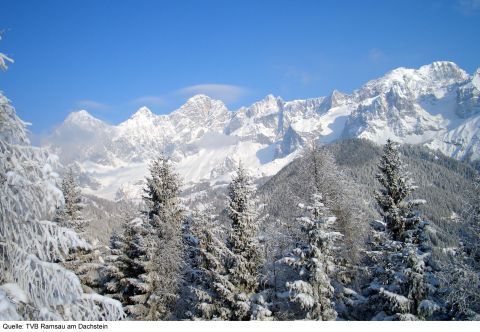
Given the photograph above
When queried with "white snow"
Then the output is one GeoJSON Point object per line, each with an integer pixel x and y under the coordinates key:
{"type": "Point", "coordinates": [461, 141]}
{"type": "Point", "coordinates": [206, 140]}
{"type": "Point", "coordinates": [31, 248]}
{"type": "Point", "coordinates": [476, 79]}
{"type": "Point", "coordinates": [8, 310]}
{"type": "Point", "coordinates": [4, 60]}
{"type": "Point", "coordinates": [15, 293]}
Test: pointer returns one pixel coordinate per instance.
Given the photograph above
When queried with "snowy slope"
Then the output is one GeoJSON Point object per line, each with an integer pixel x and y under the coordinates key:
{"type": "Point", "coordinates": [408, 105]}
{"type": "Point", "coordinates": [437, 105]}
{"type": "Point", "coordinates": [460, 142]}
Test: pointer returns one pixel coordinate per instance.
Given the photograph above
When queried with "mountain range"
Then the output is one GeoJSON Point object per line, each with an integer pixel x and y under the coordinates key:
{"type": "Point", "coordinates": [436, 105]}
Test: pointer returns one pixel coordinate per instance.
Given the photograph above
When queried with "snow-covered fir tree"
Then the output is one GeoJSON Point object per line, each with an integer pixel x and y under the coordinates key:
{"type": "Point", "coordinates": [215, 294]}
{"type": "Point", "coordinates": [128, 268]}
{"type": "Point", "coordinates": [460, 272]}
{"type": "Point", "coordinates": [114, 266]}
{"type": "Point", "coordinates": [338, 190]}
{"type": "Point", "coordinates": [461, 284]}
{"type": "Point", "coordinates": [69, 214]}
{"type": "Point", "coordinates": [164, 241]}
{"type": "Point", "coordinates": [398, 212]}
{"type": "Point", "coordinates": [32, 284]}
{"type": "Point", "coordinates": [473, 224]}
{"type": "Point", "coordinates": [119, 271]}
{"type": "Point", "coordinates": [244, 263]}
{"type": "Point", "coordinates": [135, 284]}
{"type": "Point", "coordinates": [313, 261]}
{"type": "Point", "coordinates": [403, 287]}
{"type": "Point", "coordinates": [184, 308]}
{"type": "Point", "coordinates": [4, 59]}
{"type": "Point", "coordinates": [85, 263]}
{"type": "Point", "coordinates": [126, 276]}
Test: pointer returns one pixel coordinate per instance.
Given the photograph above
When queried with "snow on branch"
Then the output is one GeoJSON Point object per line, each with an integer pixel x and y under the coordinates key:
{"type": "Point", "coordinates": [44, 239]}
{"type": "Point", "coordinates": [4, 61]}
{"type": "Point", "coordinates": [31, 274]}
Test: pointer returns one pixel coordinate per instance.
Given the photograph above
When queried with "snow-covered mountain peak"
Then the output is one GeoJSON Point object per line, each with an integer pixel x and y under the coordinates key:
{"type": "Point", "coordinates": [201, 107]}
{"type": "Point", "coordinates": [335, 99]}
{"type": "Point", "coordinates": [435, 79]}
{"type": "Point", "coordinates": [476, 79]}
{"type": "Point", "coordinates": [399, 76]}
{"type": "Point", "coordinates": [199, 98]}
{"type": "Point", "coordinates": [268, 105]}
{"type": "Point", "coordinates": [200, 114]}
{"type": "Point", "coordinates": [143, 112]}
{"type": "Point", "coordinates": [199, 101]}
{"type": "Point", "coordinates": [270, 98]}
{"type": "Point", "coordinates": [443, 70]}
{"type": "Point", "coordinates": [82, 118]}
{"type": "Point", "coordinates": [81, 114]}
{"type": "Point", "coordinates": [437, 104]}
{"type": "Point", "coordinates": [337, 94]}
{"type": "Point", "coordinates": [139, 122]}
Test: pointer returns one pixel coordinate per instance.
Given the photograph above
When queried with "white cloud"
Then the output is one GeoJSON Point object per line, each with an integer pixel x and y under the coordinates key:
{"type": "Point", "coordinates": [225, 92]}
{"type": "Point", "coordinates": [92, 105]}
{"type": "Point", "coordinates": [149, 101]}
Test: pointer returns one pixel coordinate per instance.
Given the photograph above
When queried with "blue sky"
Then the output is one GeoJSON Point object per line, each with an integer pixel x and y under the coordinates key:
{"type": "Point", "coordinates": [111, 57]}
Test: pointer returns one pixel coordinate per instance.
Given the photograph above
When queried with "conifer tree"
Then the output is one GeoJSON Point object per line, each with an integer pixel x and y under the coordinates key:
{"type": "Point", "coordinates": [87, 264]}
{"type": "Point", "coordinates": [313, 260]}
{"type": "Point", "coordinates": [126, 276]}
{"type": "Point", "coordinates": [114, 266]}
{"type": "Point", "coordinates": [215, 294]}
{"type": "Point", "coordinates": [473, 224]}
{"type": "Point", "coordinates": [399, 214]}
{"type": "Point", "coordinates": [145, 271]}
{"type": "Point", "coordinates": [33, 286]}
{"type": "Point", "coordinates": [338, 190]}
{"type": "Point", "coordinates": [118, 263]}
{"type": "Point", "coordinates": [164, 240]}
{"type": "Point", "coordinates": [403, 287]}
{"type": "Point", "coordinates": [70, 213]}
{"type": "Point", "coordinates": [461, 282]}
{"type": "Point", "coordinates": [136, 284]}
{"type": "Point", "coordinates": [460, 272]}
{"type": "Point", "coordinates": [243, 266]}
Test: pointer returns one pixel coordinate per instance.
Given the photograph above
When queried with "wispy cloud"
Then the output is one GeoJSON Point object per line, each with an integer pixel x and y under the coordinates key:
{"type": "Point", "coordinates": [92, 105]}
{"type": "Point", "coordinates": [376, 55]}
{"type": "Point", "coordinates": [468, 7]}
{"type": "Point", "coordinates": [149, 101]}
{"type": "Point", "coordinates": [225, 92]}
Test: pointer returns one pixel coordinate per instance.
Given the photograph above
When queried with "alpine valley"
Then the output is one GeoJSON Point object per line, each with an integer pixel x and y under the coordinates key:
{"type": "Point", "coordinates": [436, 105]}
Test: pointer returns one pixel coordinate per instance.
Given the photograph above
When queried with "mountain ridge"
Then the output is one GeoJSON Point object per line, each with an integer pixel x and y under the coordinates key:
{"type": "Point", "coordinates": [435, 105]}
